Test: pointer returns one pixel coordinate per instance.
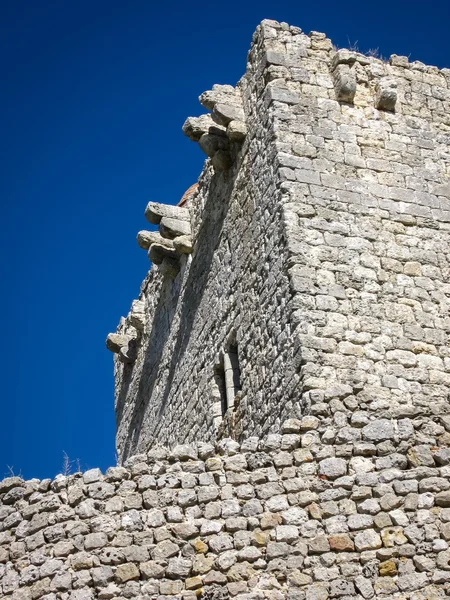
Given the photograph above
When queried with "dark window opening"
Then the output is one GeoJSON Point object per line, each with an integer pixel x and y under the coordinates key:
{"type": "Point", "coordinates": [219, 378]}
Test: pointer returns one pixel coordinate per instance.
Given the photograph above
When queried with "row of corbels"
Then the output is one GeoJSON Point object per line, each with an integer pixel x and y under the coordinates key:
{"type": "Point", "coordinates": [165, 248]}
{"type": "Point", "coordinates": [216, 131]}
{"type": "Point", "coordinates": [344, 79]}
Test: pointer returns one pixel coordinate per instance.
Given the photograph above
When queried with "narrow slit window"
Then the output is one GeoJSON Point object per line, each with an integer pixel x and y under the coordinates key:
{"type": "Point", "coordinates": [219, 378]}
{"type": "Point", "coordinates": [232, 375]}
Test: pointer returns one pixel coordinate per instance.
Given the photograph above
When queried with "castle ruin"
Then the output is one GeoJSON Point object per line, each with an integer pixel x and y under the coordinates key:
{"type": "Point", "coordinates": [283, 378]}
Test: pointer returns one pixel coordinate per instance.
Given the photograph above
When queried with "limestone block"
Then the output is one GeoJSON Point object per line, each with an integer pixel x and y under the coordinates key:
{"type": "Point", "coordinates": [223, 114]}
{"type": "Point", "coordinates": [158, 252]}
{"type": "Point", "coordinates": [386, 94]}
{"type": "Point", "coordinates": [126, 572]}
{"type": "Point", "coordinates": [92, 476]}
{"type": "Point", "coordinates": [195, 127]}
{"type": "Point", "coordinates": [211, 143]}
{"type": "Point", "coordinates": [183, 244]}
{"type": "Point", "coordinates": [220, 94]}
{"type": "Point", "coordinates": [172, 228]}
{"type": "Point", "coordinates": [236, 131]}
{"type": "Point", "coordinates": [9, 483]}
{"type": "Point", "coordinates": [344, 83]}
{"type": "Point", "coordinates": [137, 315]}
{"type": "Point", "coordinates": [378, 431]}
{"type": "Point", "coordinates": [333, 467]}
{"type": "Point", "coordinates": [115, 341]}
{"type": "Point", "coordinates": [146, 238]}
{"type": "Point", "coordinates": [155, 211]}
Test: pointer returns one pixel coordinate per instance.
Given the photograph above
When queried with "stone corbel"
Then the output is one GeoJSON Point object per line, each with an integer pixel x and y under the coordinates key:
{"type": "Point", "coordinates": [125, 346]}
{"type": "Point", "coordinates": [136, 315]}
{"type": "Point", "coordinates": [174, 223]}
{"type": "Point", "coordinates": [216, 132]}
{"type": "Point", "coordinates": [173, 239]}
{"type": "Point", "coordinates": [386, 94]}
{"type": "Point", "coordinates": [344, 77]}
{"type": "Point", "coordinates": [156, 211]}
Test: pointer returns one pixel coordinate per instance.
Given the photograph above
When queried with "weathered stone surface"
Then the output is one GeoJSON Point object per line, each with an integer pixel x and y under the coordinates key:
{"type": "Point", "coordinates": [378, 431]}
{"type": "Point", "coordinates": [386, 93]}
{"type": "Point", "coordinates": [226, 94]}
{"type": "Point", "coordinates": [172, 228]}
{"type": "Point", "coordinates": [115, 341]}
{"type": "Point", "coordinates": [146, 238]}
{"type": "Point", "coordinates": [344, 82]}
{"type": "Point", "coordinates": [159, 253]}
{"type": "Point", "coordinates": [155, 212]}
{"type": "Point", "coordinates": [236, 131]}
{"type": "Point", "coordinates": [333, 467]}
{"type": "Point", "coordinates": [184, 244]}
{"type": "Point", "coordinates": [225, 113]}
{"type": "Point", "coordinates": [211, 143]}
{"type": "Point", "coordinates": [195, 127]}
{"type": "Point", "coordinates": [126, 572]}
{"type": "Point", "coordinates": [303, 338]}
{"type": "Point", "coordinates": [367, 540]}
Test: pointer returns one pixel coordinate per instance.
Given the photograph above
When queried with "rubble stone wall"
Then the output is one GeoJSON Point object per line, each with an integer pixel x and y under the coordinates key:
{"type": "Point", "coordinates": [321, 510]}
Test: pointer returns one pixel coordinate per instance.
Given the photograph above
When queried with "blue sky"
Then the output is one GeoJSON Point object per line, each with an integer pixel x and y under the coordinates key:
{"type": "Point", "coordinates": [94, 94]}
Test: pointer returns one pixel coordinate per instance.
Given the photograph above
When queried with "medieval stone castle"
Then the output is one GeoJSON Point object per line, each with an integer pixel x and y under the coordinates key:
{"type": "Point", "coordinates": [283, 378]}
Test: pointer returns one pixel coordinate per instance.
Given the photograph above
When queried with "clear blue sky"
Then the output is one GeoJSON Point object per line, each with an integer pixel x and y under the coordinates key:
{"type": "Point", "coordinates": [94, 94]}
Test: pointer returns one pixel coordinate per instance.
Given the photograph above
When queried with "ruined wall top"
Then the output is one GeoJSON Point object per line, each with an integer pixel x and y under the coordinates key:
{"type": "Point", "coordinates": [308, 272]}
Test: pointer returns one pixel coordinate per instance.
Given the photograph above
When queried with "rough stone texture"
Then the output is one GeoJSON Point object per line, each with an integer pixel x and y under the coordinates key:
{"type": "Point", "coordinates": [205, 521]}
{"type": "Point", "coordinates": [317, 268]}
{"type": "Point", "coordinates": [320, 253]}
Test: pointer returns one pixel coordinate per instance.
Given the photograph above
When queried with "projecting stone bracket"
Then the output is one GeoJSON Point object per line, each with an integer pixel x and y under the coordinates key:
{"type": "Point", "coordinates": [158, 252]}
{"type": "Point", "coordinates": [344, 83]}
{"type": "Point", "coordinates": [137, 315]}
{"type": "Point", "coordinates": [344, 68]}
{"type": "Point", "coordinates": [216, 132]}
{"type": "Point", "coordinates": [155, 212]}
{"type": "Point", "coordinates": [344, 76]}
{"type": "Point", "coordinates": [126, 341]}
{"type": "Point", "coordinates": [386, 94]}
{"type": "Point", "coordinates": [124, 346]}
{"type": "Point", "coordinates": [173, 239]}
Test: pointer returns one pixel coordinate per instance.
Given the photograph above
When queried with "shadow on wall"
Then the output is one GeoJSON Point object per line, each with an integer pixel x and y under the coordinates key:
{"type": "Point", "coordinates": [207, 239]}
{"type": "Point", "coordinates": [165, 310]}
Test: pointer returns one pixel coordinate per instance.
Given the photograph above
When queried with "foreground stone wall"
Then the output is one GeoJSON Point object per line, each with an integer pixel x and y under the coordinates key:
{"type": "Point", "coordinates": [338, 507]}
{"type": "Point", "coordinates": [319, 244]}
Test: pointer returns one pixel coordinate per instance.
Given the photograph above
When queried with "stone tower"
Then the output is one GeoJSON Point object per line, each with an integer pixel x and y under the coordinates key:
{"type": "Point", "coordinates": [308, 271]}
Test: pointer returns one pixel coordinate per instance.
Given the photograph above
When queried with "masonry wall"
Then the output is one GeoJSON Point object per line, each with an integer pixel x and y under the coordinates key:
{"type": "Point", "coordinates": [235, 283]}
{"type": "Point", "coordinates": [322, 510]}
{"type": "Point", "coordinates": [324, 248]}
{"type": "Point", "coordinates": [367, 194]}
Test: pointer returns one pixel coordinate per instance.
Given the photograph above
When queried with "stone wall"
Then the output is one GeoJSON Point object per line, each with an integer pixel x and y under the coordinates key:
{"type": "Point", "coordinates": [234, 286]}
{"type": "Point", "coordinates": [345, 507]}
{"type": "Point", "coordinates": [319, 247]}
{"type": "Point", "coordinates": [363, 151]}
